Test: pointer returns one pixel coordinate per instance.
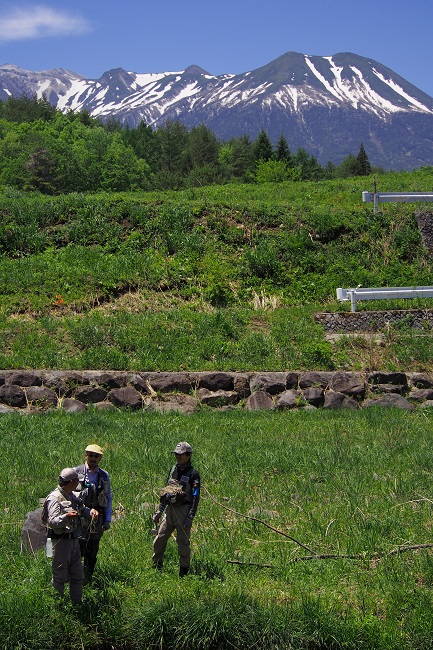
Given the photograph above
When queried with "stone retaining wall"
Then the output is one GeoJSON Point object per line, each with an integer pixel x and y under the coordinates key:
{"type": "Point", "coordinates": [373, 321]}
{"type": "Point", "coordinates": [36, 391]}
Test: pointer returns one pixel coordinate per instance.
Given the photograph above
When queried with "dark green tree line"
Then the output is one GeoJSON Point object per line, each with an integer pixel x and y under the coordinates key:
{"type": "Point", "coordinates": [44, 150]}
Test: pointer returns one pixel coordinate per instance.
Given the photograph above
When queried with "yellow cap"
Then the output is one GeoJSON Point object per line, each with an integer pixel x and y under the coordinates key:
{"type": "Point", "coordinates": [94, 449]}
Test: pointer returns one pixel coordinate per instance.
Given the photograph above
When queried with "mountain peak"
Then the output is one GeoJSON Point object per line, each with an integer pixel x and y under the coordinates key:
{"type": "Point", "coordinates": [195, 69]}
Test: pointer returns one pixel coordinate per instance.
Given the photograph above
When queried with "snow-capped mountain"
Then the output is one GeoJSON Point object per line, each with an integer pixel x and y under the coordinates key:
{"type": "Point", "coordinates": [325, 104]}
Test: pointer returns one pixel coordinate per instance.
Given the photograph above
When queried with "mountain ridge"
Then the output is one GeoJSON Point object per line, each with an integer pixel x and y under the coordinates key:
{"type": "Point", "coordinates": [325, 104]}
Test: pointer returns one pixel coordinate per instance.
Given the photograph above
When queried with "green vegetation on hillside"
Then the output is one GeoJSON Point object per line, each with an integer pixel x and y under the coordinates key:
{"type": "Point", "coordinates": [42, 149]}
{"type": "Point", "coordinates": [224, 277]}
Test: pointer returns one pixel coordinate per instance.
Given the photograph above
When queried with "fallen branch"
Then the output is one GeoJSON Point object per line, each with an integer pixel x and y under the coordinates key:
{"type": "Point", "coordinates": [259, 521]}
{"type": "Point", "coordinates": [334, 556]}
{"type": "Point", "coordinates": [413, 547]}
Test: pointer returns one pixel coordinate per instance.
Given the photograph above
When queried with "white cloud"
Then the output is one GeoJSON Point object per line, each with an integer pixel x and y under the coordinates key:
{"type": "Point", "coordinates": [39, 22]}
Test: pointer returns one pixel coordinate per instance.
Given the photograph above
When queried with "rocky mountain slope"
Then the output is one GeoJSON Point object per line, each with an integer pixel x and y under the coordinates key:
{"type": "Point", "coordinates": [325, 104]}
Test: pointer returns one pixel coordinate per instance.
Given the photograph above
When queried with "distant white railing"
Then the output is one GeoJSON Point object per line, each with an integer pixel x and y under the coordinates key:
{"type": "Point", "coordinates": [393, 197]}
{"type": "Point", "coordinates": [382, 293]}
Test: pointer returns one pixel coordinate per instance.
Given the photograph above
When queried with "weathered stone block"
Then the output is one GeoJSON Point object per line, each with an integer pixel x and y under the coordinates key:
{"type": "Point", "coordinates": [127, 397]}
{"type": "Point", "coordinates": [391, 399]}
{"type": "Point", "coordinates": [216, 380]}
{"type": "Point", "coordinates": [259, 400]}
{"type": "Point", "coordinates": [71, 405]}
{"type": "Point", "coordinates": [290, 399]}
{"type": "Point", "coordinates": [13, 395]}
{"type": "Point", "coordinates": [270, 382]}
{"type": "Point", "coordinates": [90, 394]}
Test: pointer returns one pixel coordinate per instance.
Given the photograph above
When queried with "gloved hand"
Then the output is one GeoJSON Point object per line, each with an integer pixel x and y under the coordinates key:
{"type": "Point", "coordinates": [107, 525]}
{"type": "Point", "coordinates": [187, 523]}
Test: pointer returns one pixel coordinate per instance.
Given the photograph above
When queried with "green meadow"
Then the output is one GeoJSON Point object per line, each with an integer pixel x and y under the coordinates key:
{"type": "Point", "coordinates": [313, 531]}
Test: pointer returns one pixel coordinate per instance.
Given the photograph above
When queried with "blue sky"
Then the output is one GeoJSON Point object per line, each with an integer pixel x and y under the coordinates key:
{"type": "Point", "coordinates": [92, 36]}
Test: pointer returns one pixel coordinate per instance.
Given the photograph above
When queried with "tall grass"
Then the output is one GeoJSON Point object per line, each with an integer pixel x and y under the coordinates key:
{"type": "Point", "coordinates": [353, 483]}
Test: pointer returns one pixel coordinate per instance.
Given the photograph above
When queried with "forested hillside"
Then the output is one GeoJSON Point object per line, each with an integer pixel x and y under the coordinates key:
{"type": "Point", "coordinates": [42, 149]}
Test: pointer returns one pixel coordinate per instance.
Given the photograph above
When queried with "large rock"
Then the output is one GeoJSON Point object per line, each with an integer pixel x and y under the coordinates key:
{"type": "Point", "coordinates": [290, 399]}
{"type": "Point", "coordinates": [314, 396]}
{"type": "Point", "coordinates": [421, 380]}
{"type": "Point", "coordinates": [109, 380]}
{"type": "Point", "coordinates": [56, 383]}
{"type": "Point", "coordinates": [33, 532]}
{"type": "Point", "coordinates": [269, 382]}
{"type": "Point", "coordinates": [140, 383]}
{"type": "Point", "coordinates": [169, 382]}
{"type": "Point", "coordinates": [241, 384]}
{"type": "Point", "coordinates": [127, 397]}
{"type": "Point", "coordinates": [179, 402]}
{"type": "Point", "coordinates": [90, 394]}
{"type": "Point", "coordinates": [71, 405]}
{"type": "Point", "coordinates": [13, 395]}
{"type": "Point", "coordinates": [378, 377]}
{"type": "Point", "coordinates": [292, 379]}
{"type": "Point", "coordinates": [217, 397]}
{"type": "Point", "coordinates": [388, 388]}
{"type": "Point", "coordinates": [259, 400]}
{"type": "Point", "coordinates": [105, 406]}
{"type": "Point", "coordinates": [349, 383]}
{"type": "Point", "coordinates": [391, 399]}
{"type": "Point", "coordinates": [73, 378]}
{"type": "Point", "coordinates": [25, 379]}
{"type": "Point", "coordinates": [421, 394]}
{"type": "Point", "coordinates": [41, 396]}
{"type": "Point", "coordinates": [335, 400]}
{"type": "Point", "coordinates": [315, 379]}
{"type": "Point", "coordinates": [216, 380]}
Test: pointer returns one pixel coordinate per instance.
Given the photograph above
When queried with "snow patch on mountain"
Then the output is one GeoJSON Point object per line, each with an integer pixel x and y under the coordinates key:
{"type": "Point", "coordinates": [399, 90]}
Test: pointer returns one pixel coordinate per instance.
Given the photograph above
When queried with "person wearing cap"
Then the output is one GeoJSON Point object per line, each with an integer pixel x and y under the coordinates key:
{"type": "Point", "coordinates": [95, 491]}
{"type": "Point", "coordinates": [62, 514]}
{"type": "Point", "coordinates": [178, 503]}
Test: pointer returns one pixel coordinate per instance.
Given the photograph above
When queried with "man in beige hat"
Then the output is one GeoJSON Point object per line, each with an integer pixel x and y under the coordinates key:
{"type": "Point", "coordinates": [62, 515]}
{"type": "Point", "coordinates": [178, 501]}
{"type": "Point", "coordinates": [95, 491]}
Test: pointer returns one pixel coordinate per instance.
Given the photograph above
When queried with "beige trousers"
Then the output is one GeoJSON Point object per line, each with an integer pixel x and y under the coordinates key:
{"type": "Point", "coordinates": [66, 566]}
{"type": "Point", "coordinates": [173, 521]}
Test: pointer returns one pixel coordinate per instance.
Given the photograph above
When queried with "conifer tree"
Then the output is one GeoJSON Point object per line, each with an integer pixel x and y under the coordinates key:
{"type": "Point", "coordinates": [363, 167]}
{"type": "Point", "coordinates": [262, 147]}
{"type": "Point", "coordinates": [282, 151]}
{"type": "Point", "coordinates": [41, 168]}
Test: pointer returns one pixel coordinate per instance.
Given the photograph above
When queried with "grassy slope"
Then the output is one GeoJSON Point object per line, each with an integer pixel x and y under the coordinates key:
{"type": "Point", "coordinates": [351, 483]}
{"type": "Point", "coordinates": [219, 277]}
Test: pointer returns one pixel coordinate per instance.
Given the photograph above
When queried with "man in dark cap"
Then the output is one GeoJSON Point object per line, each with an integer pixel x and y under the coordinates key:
{"type": "Point", "coordinates": [178, 502]}
{"type": "Point", "coordinates": [95, 491]}
{"type": "Point", "coordinates": [62, 515]}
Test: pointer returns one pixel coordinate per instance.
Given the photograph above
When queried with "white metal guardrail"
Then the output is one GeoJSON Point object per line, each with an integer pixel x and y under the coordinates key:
{"type": "Point", "coordinates": [396, 197]}
{"type": "Point", "coordinates": [382, 293]}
